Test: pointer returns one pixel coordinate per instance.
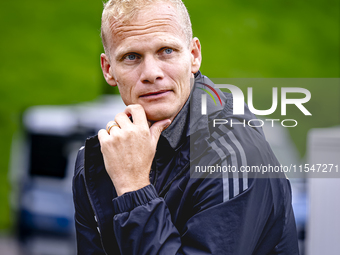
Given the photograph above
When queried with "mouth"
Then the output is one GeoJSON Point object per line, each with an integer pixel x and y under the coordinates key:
{"type": "Point", "coordinates": [155, 94]}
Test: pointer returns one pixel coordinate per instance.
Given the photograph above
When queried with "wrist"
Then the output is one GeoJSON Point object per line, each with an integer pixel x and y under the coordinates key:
{"type": "Point", "coordinates": [131, 200]}
{"type": "Point", "coordinates": [122, 189]}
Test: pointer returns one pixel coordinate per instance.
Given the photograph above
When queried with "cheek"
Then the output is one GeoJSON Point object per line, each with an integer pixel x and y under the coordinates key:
{"type": "Point", "coordinates": [180, 68]}
{"type": "Point", "coordinates": [126, 81]}
{"type": "Point", "coordinates": [125, 91]}
{"type": "Point", "coordinates": [183, 75]}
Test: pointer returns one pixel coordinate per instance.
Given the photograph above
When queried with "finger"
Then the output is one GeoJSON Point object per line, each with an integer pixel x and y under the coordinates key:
{"type": "Point", "coordinates": [157, 128]}
{"type": "Point", "coordinates": [114, 130]}
{"type": "Point", "coordinates": [123, 120]}
{"type": "Point", "coordinates": [110, 125]}
{"type": "Point", "coordinates": [138, 114]}
{"type": "Point", "coordinates": [102, 135]}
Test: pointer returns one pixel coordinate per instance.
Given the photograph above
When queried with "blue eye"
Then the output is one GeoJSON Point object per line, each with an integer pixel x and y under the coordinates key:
{"type": "Point", "coordinates": [168, 51]}
{"type": "Point", "coordinates": [130, 57]}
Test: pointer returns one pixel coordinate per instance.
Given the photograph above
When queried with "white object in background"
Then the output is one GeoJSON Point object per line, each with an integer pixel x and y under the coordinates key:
{"type": "Point", "coordinates": [323, 229]}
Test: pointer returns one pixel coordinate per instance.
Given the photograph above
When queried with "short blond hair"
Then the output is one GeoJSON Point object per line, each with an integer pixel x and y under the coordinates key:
{"type": "Point", "coordinates": [124, 10]}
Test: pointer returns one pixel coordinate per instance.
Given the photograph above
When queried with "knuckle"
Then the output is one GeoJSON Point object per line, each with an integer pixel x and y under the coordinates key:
{"type": "Point", "coordinates": [134, 106]}
{"type": "Point", "coordinates": [101, 134]}
{"type": "Point", "coordinates": [138, 106]}
{"type": "Point", "coordinates": [119, 115]}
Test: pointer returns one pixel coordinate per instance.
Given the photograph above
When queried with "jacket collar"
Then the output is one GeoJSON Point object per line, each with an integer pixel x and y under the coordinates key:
{"type": "Point", "coordinates": [191, 113]}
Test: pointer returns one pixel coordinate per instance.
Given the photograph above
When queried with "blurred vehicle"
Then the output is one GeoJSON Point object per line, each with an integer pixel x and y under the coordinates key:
{"type": "Point", "coordinates": [42, 169]}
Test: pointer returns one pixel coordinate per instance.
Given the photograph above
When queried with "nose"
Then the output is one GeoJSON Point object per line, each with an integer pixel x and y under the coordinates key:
{"type": "Point", "coordinates": [151, 70]}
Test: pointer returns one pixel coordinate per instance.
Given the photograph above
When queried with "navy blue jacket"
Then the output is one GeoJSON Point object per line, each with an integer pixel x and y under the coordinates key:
{"type": "Point", "coordinates": [184, 211]}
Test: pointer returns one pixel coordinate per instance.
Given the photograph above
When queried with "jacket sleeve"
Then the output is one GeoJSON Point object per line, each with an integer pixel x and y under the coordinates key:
{"type": "Point", "coordinates": [142, 224]}
{"type": "Point", "coordinates": [251, 223]}
{"type": "Point", "coordinates": [88, 238]}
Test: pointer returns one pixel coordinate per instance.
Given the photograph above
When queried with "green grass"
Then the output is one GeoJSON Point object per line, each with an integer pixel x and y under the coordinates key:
{"type": "Point", "coordinates": [50, 55]}
{"type": "Point", "coordinates": [268, 38]}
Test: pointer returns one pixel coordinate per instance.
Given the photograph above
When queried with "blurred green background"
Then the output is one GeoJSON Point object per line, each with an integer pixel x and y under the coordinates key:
{"type": "Point", "coordinates": [50, 55]}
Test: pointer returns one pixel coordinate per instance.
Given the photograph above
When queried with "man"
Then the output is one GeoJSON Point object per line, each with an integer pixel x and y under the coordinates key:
{"type": "Point", "coordinates": [133, 190]}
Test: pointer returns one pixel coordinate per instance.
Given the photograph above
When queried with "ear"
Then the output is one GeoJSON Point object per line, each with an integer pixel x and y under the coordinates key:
{"type": "Point", "coordinates": [106, 68]}
{"type": "Point", "coordinates": [196, 57]}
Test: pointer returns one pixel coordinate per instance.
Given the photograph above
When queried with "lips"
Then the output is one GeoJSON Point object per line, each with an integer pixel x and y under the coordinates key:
{"type": "Point", "coordinates": [155, 93]}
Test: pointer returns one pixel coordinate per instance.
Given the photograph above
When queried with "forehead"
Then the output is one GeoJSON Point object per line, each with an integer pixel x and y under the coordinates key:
{"type": "Point", "coordinates": [153, 20]}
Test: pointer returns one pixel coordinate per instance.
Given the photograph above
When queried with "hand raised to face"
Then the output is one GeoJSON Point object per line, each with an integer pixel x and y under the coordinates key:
{"type": "Point", "coordinates": [129, 149]}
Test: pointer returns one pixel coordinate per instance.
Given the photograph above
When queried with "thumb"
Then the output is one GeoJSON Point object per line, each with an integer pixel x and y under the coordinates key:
{"type": "Point", "coordinates": [157, 128]}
